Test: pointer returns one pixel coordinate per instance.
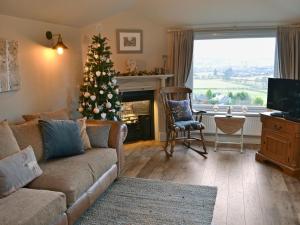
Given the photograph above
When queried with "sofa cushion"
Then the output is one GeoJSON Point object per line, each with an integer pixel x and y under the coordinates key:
{"type": "Point", "coordinates": [74, 175]}
{"type": "Point", "coordinates": [61, 114]}
{"type": "Point", "coordinates": [17, 170]}
{"type": "Point", "coordinates": [32, 207]}
{"type": "Point", "coordinates": [61, 138]}
{"type": "Point", "coordinates": [98, 159]}
{"type": "Point", "coordinates": [98, 135]}
{"type": "Point", "coordinates": [83, 134]}
{"type": "Point", "coordinates": [8, 142]}
{"type": "Point", "coordinates": [29, 133]}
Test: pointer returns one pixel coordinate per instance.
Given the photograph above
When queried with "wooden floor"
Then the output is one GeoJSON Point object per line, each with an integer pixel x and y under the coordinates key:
{"type": "Point", "coordinates": [248, 192]}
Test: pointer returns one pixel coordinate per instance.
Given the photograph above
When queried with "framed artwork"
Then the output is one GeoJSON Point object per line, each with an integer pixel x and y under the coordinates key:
{"type": "Point", "coordinates": [129, 41]}
{"type": "Point", "coordinates": [9, 70]}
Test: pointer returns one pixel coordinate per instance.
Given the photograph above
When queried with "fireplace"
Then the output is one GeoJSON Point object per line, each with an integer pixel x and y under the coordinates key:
{"type": "Point", "coordinates": [138, 114]}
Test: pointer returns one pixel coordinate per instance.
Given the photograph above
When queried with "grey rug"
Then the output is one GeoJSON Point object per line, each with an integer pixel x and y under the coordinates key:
{"type": "Point", "coordinates": [134, 201]}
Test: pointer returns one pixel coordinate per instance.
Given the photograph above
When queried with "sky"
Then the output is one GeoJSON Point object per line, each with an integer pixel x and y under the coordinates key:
{"type": "Point", "coordinates": [249, 51]}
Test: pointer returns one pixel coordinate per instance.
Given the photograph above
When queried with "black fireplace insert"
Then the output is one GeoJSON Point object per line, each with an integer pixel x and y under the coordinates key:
{"type": "Point", "coordinates": [138, 114]}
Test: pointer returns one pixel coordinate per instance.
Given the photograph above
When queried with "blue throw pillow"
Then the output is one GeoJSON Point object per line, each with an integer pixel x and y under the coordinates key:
{"type": "Point", "coordinates": [181, 110]}
{"type": "Point", "coordinates": [61, 138]}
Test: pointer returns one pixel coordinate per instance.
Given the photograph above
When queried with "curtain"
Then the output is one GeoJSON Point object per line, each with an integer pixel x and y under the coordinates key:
{"type": "Point", "coordinates": [180, 55]}
{"type": "Point", "coordinates": [288, 50]}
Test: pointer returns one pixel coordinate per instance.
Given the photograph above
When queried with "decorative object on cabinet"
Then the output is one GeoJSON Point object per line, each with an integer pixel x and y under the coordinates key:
{"type": "Point", "coordinates": [280, 143]}
{"type": "Point", "coordinates": [129, 41]}
{"type": "Point", "coordinates": [9, 69]}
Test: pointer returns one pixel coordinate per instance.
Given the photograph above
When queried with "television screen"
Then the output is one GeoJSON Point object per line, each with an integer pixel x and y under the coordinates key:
{"type": "Point", "coordinates": [284, 95]}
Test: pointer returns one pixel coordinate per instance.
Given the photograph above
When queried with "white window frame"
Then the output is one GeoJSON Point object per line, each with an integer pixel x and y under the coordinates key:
{"type": "Point", "coordinates": [232, 33]}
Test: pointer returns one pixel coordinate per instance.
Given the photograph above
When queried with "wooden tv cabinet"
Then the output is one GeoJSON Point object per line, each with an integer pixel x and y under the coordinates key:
{"type": "Point", "coordinates": [280, 143]}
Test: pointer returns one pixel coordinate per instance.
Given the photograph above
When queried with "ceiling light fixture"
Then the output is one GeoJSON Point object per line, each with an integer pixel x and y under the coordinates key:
{"type": "Point", "coordinates": [59, 46]}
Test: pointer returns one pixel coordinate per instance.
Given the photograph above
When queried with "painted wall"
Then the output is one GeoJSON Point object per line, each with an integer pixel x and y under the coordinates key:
{"type": "Point", "coordinates": [48, 81]}
{"type": "Point", "coordinates": [154, 39]}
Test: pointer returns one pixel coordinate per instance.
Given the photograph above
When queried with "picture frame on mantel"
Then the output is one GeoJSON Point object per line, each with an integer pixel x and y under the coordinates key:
{"type": "Point", "coordinates": [129, 41]}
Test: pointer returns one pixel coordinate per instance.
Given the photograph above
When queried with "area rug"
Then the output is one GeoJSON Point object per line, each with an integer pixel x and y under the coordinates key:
{"type": "Point", "coordinates": [134, 201]}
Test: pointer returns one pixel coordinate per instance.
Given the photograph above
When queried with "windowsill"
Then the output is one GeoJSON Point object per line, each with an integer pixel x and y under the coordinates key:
{"type": "Point", "coordinates": [247, 114]}
{"type": "Point", "coordinates": [253, 111]}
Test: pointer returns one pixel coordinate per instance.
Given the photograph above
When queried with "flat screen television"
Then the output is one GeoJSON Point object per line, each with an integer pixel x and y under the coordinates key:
{"type": "Point", "coordinates": [284, 96]}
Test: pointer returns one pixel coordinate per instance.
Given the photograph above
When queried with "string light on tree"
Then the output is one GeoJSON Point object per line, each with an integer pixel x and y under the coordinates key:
{"type": "Point", "coordinates": [99, 97]}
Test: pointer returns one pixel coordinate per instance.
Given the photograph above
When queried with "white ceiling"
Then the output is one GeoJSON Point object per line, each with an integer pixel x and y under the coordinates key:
{"type": "Point", "coordinates": [79, 13]}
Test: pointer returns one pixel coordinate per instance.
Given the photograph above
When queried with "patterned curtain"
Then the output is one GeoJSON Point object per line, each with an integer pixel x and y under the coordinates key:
{"type": "Point", "coordinates": [180, 55]}
{"type": "Point", "coordinates": [288, 50]}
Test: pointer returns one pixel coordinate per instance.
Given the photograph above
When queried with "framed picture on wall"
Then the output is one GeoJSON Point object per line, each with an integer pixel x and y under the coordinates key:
{"type": "Point", "coordinates": [129, 41]}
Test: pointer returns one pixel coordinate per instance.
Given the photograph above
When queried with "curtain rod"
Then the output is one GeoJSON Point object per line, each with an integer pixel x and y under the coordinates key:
{"type": "Point", "coordinates": [234, 28]}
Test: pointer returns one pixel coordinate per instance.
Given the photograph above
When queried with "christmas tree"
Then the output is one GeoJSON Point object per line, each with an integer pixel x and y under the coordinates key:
{"type": "Point", "coordinates": [99, 97]}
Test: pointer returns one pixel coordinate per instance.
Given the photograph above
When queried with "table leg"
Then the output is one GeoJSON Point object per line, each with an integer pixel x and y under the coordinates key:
{"type": "Point", "coordinates": [242, 139]}
{"type": "Point", "coordinates": [216, 139]}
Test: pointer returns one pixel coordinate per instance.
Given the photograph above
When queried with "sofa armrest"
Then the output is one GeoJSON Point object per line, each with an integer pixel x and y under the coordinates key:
{"type": "Point", "coordinates": [117, 135]}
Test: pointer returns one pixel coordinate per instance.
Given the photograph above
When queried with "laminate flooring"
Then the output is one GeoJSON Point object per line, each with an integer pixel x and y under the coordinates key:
{"type": "Point", "coordinates": [249, 192]}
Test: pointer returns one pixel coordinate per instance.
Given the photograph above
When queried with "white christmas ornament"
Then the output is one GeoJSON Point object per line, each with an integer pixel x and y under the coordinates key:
{"type": "Point", "coordinates": [98, 73]}
{"type": "Point", "coordinates": [118, 103]}
{"type": "Point", "coordinates": [103, 115]}
{"type": "Point", "coordinates": [96, 56]}
{"type": "Point", "coordinates": [96, 110]}
{"type": "Point", "coordinates": [86, 69]}
{"type": "Point", "coordinates": [103, 73]}
{"type": "Point", "coordinates": [101, 92]}
{"type": "Point", "coordinates": [86, 94]}
{"type": "Point", "coordinates": [114, 81]}
{"type": "Point", "coordinates": [117, 91]}
{"type": "Point", "coordinates": [109, 96]}
{"type": "Point", "coordinates": [113, 110]}
{"type": "Point", "coordinates": [108, 60]}
{"type": "Point", "coordinates": [91, 79]}
{"type": "Point", "coordinates": [108, 105]}
{"type": "Point", "coordinates": [93, 97]}
{"type": "Point", "coordinates": [109, 73]}
{"type": "Point", "coordinates": [95, 85]}
{"type": "Point", "coordinates": [80, 109]}
{"type": "Point", "coordinates": [98, 45]}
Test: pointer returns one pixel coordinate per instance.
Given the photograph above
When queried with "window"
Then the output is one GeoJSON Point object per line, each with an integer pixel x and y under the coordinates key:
{"type": "Point", "coordinates": [233, 69]}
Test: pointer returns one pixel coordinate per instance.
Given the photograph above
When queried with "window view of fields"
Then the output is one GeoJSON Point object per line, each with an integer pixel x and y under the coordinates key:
{"type": "Point", "coordinates": [233, 71]}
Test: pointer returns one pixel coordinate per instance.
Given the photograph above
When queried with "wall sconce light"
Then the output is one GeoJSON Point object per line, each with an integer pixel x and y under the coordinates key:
{"type": "Point", "coordinates": [59, 46]}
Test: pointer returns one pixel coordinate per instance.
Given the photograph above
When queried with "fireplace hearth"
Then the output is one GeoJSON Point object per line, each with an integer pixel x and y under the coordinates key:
{"type": "Point", "coordinates": [138, 114]}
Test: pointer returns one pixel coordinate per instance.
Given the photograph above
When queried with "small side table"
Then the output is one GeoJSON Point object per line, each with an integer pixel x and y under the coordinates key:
{"type": "Point", "coordinates": [229, 125]}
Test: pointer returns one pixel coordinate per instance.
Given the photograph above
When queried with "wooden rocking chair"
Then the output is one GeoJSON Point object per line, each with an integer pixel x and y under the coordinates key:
{"type": "Point", "coordinates": [181, 130]}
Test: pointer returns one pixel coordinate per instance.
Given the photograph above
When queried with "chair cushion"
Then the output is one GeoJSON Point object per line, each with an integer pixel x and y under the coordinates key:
{"type": "Point", "coordinates": [190, 124]}
{"type": "Point", "coordinates": [17, 170]}
{"type": "Point", "coordinates": [32, 207]}
{"type": "Point", "coordinates": [8, 142]}
{"type": "Point", "coordinates": [29, 133]}
{"type": "Point", "coordinates": [61, 138]}
{"type": "Point", "coordinates": [181, 110]}
{"type": "Point", "coordinates": [74, 175]}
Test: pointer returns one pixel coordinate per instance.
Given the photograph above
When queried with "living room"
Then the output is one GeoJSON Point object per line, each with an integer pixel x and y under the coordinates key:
{"type": "Point", "coordinates": [149, 112]}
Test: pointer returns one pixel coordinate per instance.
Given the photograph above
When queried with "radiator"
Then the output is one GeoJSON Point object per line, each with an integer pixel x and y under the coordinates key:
{"type": "Point", "coordinates": [252, 126]}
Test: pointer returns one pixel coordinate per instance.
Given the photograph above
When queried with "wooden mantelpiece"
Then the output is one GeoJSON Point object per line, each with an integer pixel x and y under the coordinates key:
{"type": "Point", "coordinates": [280, 143]}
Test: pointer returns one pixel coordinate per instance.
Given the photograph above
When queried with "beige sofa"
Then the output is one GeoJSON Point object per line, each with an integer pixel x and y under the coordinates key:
{"type": "Point", "coordinates": [68, 186]}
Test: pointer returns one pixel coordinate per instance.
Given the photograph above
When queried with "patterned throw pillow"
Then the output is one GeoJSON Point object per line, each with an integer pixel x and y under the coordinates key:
{"type": "Point", "coordinates": [181, 110]}
{"type": "Point", "coordinates": [17, 170]}
{"type": "Point", "coordinates": [61, 138]}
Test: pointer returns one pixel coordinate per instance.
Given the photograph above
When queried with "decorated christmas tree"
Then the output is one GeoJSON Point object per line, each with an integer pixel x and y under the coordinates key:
{"type": "Point", "coordinates": [99, 97]}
